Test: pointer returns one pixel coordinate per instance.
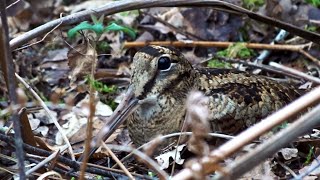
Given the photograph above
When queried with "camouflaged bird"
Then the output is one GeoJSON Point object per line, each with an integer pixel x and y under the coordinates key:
{"type": "Point", "coordinates": [162, 79]}
{"type": "Point", "coordinates": [155, 102]}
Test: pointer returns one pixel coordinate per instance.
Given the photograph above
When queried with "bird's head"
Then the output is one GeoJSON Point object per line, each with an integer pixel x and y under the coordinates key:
{"type": "Point", "coordinates": [157, 70]}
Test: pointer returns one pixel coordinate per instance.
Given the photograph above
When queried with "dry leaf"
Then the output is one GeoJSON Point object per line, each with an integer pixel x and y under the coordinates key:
{"type": "Point", "coordinates": [164, 159]}
{"type": "Point", "coordinates": [81, 59]}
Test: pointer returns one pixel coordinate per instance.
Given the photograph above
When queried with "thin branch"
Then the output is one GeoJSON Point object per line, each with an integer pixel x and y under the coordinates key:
{"type": "Point", "coordinates": [308, 171]}
{"type": "Point", "coordinates": [300, 127]}
{"type": "Point", "coordinates": [146, 159]}
{"type": "Point", "coordinates": [309, 56]}
{"type": "Point", "coordinates": [126, 5]}
{"type": "Point", "coordinates": [118, 171]}
{"type": "Point", "coordinates": [207, 164]}
{"type": "Point", "coordinates": [295, 72]}
{"type": "Point", "coordinates": [265, 53]}
{"type": "Point", "coordinates": [54, 119]}
{"type": "Point", "coordinates": [47, 174]}
{"type": "Point", "coordinates": [42, 163]}
{"type": "Point", "coordinates": [219, 44]}
{"type": "Point", "coordinates": [12, 4]}
{"type": "Point", "coordinates": [44, 37]}
{"type": "Point", "coordinates": [114, 157]}
{"type": "Point", "coordinates": [73, 164]}
{"type": "Point", "coordinates": [287, 169]}
{"type": "Point", "coordinates": [217, 135]}
{"type": "Point", "coordinates": [255, 65]}
{"type": "Point", "coordinates": [7, 66]}
{"type": "Point", "coordinates": [92, 108]}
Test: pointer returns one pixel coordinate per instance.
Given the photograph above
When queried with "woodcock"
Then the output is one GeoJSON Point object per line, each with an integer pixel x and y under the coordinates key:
{"type": "Point", "coordinates": [161, 80]}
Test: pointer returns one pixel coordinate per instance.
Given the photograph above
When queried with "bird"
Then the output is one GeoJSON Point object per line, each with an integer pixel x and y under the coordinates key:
{"type": "Point", "coordinates": [155, 102]}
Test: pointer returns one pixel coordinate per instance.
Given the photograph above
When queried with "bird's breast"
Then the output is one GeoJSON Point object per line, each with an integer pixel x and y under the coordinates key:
{"type": "Point", "coordinates": [152, 119]}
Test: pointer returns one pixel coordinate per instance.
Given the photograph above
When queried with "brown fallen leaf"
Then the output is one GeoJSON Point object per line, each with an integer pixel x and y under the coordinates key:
{"type": "Point", "coordinates": [81, 59]}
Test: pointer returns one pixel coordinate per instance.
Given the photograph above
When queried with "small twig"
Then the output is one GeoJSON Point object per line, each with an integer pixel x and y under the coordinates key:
{"type": "Point", "coordinates": [206, 164]}
{"type": "Point", "coordinates": [12, 4]}
{"type": "Point", "coordinates": [55, 121]}
{"type": "Point", "coordinates": [42, 163]}
{"type": "Point", "coordinates": [146, 159]}
{"type": "Point", "coordinates": [47, 174]}
{"type": "Point", "coordinates": [259, 66]}
{"type": "Point", "coordinates": [8, 68]}
{"type": "Point", "coordinates": [298, 128]}
{"type": "Point", "coordinates": [278, 47]}
{"type": "Point", "coordinates": [308, 171]}
{"type": "Point", "coordinates": [44, 37]}
{"type": "Point", "coordinates": [114, 157]}
{"type": "Point", "coordinates": [126, 5]}
{"type": "Point", "coordinates": [309, 56]}
{"type": "Point", "coordinates": [265, 53]}
{"type": "Point", "coordinates": [118, 171]}
{"type": "Point", "coordinates": [73, 164]}
{"type": "Point", "coordinates": [92, 106]}
{"type": "Point", "coordinates": [287, 169]}
{"type": "Point", "coordinates": [219, 44]}
{"type": "Point", "coordinates": [295, 72]}
{"type": "Point", "coordinates": [217, 135]}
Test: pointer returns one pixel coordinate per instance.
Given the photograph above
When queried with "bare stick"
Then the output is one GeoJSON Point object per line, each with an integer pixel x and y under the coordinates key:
{"type": "Point", "coordinates": [126, 5]}
{"type": "Point", "coordinates": [313, 59]}
{"type": "Point", "coordinates": [146, 159]}
{"type": "Point", "coordinates": [295, 72]}
{"type": "Point", "coordinates": [206, 164]}
{"type": "Point", "coordinates": [42, 163]}
{"type": "Point", "coordinates": [283, 47]}
{"type": "Point", "coordinates": [7, 66]}
{"type": "Point", "coordinates": [92, 107]}
{"type": "Point", "coordinates": [260, 66]}
{"type": "Point", "coordinates": [278, 47]}
{"type": "Point", "coordinates": [55, 121]}
{"type": "Point", "coordinates": [114, 157]}
{"type": "Point", "coordinates": [49, 173]}
{"type": "Point", "coordinates": [44, 37]}
{"type": "Point", "coordinates": [300, 127]}
{"type": "Point", "coordinates": [217, 135]}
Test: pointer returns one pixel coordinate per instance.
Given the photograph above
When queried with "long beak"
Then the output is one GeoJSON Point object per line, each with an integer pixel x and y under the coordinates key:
{"type": "Point", "coordinates": [128, 104]}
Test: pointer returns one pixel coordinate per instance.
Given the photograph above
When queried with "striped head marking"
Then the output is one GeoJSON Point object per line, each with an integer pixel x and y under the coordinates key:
{"type": "Point", "coordinates": [157, 69]}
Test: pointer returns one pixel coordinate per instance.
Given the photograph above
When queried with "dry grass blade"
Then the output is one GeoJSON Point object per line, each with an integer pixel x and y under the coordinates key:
{"type": "Point", "coordinates": [8, 68]}
{"type": "Point", "coordinates": [114, 157]}
{"type": "Point", "coordinates": [144, 158]}
{"type": "Point", "coordinates": [55, 121]}
{"type": "Point", "coordinates": [42, 163]}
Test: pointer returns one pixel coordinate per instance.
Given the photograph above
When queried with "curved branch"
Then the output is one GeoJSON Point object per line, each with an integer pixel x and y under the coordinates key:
{"type": "Point", "coordinates": [126, 5]}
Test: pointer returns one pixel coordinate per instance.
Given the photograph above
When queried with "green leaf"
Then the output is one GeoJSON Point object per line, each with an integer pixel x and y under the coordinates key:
{"type": "Point", "coordinates": [115, 27]}
{"type": "Point", "coordinates": [97, 28]}
{"type": "Point", "coordinates": [308, 160]}
{"type": "Point", "coordinates": [215, 63]}
{"type": "Point", "coordinates": [315, 3]}
{"type": "Point", "coordinates": [236, 50]}
{"type": "Point", "coordinates": [103, 46]}
{"type": "Point", "coordinates": [83, 25]}
{"type": "Point", "coordinates": [252, 4]}
{"type": "Point", "coordinates": [100, 87]}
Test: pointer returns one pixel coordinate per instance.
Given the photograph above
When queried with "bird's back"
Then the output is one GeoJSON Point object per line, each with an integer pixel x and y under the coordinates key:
{"type": "Point", "coordinates": [239, 99]}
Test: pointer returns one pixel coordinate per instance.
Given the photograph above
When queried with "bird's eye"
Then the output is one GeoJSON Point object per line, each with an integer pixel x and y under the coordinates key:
{"type": "Point", "coordinates": [164, 63]}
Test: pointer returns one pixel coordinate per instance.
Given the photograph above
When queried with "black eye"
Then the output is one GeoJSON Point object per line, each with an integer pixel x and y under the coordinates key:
{"type": "Point", "coordinates": [164, 63]}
